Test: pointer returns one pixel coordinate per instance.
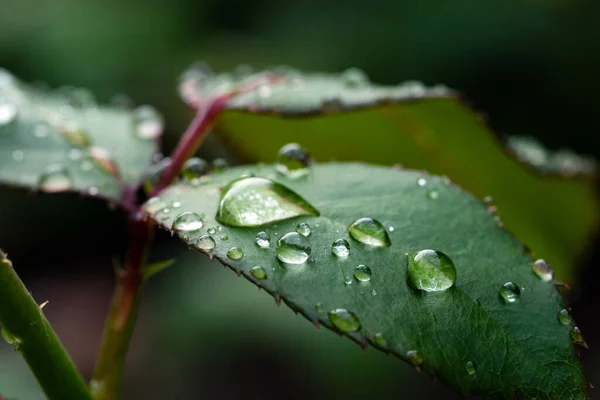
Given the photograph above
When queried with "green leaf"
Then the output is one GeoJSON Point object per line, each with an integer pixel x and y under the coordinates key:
{"type": "Point", "coordinates": [345, 117]}
{"type": "Point", "coordinates": [150, 270]}
{"type": "Point", "coordinates": [63, 141]}
{"type": "Point", "coordinates": [516, 348]}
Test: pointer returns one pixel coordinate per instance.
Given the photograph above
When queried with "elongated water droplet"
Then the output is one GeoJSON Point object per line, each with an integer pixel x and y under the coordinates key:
{"type": "Point", "coordinates": [55, 178]}
{"type": "Point", "coordinates": [341, 248]}
{"type": "Point", "coordinates": [257, 201]}
{"type": "Point", "coordinates": [219, 164]}
{"type": "Point", "coordinates": [543, 270]}
{"type": "Point", "coordinates": [369, 231]}
{"type": "Point", "coordinates": [414, 357]}
{"type": "Point", "coordinates": [154, 205]}
{"type": "Point", "coordinates": [235, 253]}
{"type": "Point", "coordinates": [362, 273]}
{"type": "Point", "coordinates": [293, 248]}
{"type": "Point", "coordinates": [292, 161]}
{"type": "Point", "coordinates": [431, 271]}
{"type": "Point", "coordinates": [194, 168]}
{"type": "Point", "coordinates": [103, 159]}
{"type": "Point", "coordinates": [206, 243]}
{"type": "Point", "coordinates": [258, 272]}
{"type": "Point", "coordinates": [470, 368]}
{"type": "Point", "coordinates": [149, 123]}
{"type": "Point", "coordinates": [187, 222]}
{"type": "Point", "coordinates": [379, 339]}
{"type": "Point", "coordinates": [510, 292]}
{"type": "Point", "coordinates": [263, 240]}
{"type": "Point", "coordinates": [346, 321]}
{"type": "Point", "coordinates": [577, 336]}
{"type": "Point", "coordinates": [564, 317]}
{"type": "Point", "coordinates": [303, 228]}
{"type": "Point", "coordinates": [8, 111]}
{"type": "Point", "coordinates": [355, 78]}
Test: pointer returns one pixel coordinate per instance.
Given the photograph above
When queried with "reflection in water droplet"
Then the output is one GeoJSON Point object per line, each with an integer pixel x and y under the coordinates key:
{"type": "Point", "coordinates": [510, 292]}
{"type": "Point", "coordinates": [470, 368]}
{"type": "Point", "coordinates": [577, 336]}
{"type": "Point", "coordinates": [224, 237]}
{"type": "Point", "coordinates": [55, 178]}
{"type": "Point", "coordinates": [219, 164]}
{"type": "Point", "coordinates": [543, 270]}
{"type": "Point", "coordinates": [347, 280]}
{"type": "Point", "coordinates": [303, 228]}
{"type": "Point", "coordinates": [257, 201]}
{"type": "Point", "coordinates": [148, 122]}
{"type": "Point", "coordinates": [414, 357]}
{"type": "Point", "coordinates": [187, 222]}
{"type": "Point", "coordinates": [292, 161]}
{"type": "Point", "coordinates": [206, 243]}
{"type": "Point", "coordinates": [263, 240]}
{"type": "Point", "coordinates": [362, 273]}
{"type": "Point", "coordinates": [346, 321]}
{"type": "Point", "coordinates": [194, 168]}
{"type": "Point", "coordinates": [379, 339]}
{"type": "Point", "coordinates": [235, 253]}
{"type": "Point", "coordinates": [431, 271]}
{"type": "Point", "coordinates": [564, 317]}
{"type": "Point", "coordinates": [212, 230]}
{"type": "Point", "coordinates": [340, 248]}
{"type": "Point", "coordinates": [293, 248]}
{"type": "Point", "coordinates": [258, 272]}
{"type": "Point", "coordinates": [369, 231]}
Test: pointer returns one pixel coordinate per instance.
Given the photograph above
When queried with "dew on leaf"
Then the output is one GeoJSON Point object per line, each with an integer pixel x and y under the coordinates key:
{"type": "Point", "coordinates": [344, 320]}
{"type": "Point", "coordinates": [414, 357]}
{"type": "Point", "coordinates": [254, 201]}
{"type": "Point", "coordinates": [293, 248]}
{"type": "Point", "coordinates": [431, 271]}
{"type": "Point", "coordinates": [154, 205]}
{"type": "Point", "coordinates": [8, 111]}
{"type": "Point", "coordinates": [262, 240]}
{"type": "Point", "coordinates": [219, 164]}
{"type": "Point", "coordinates": [194, 168]}
{"type": "Point", "coordinates": [379, 339]}
{"type": "Point", "coordinates": [577, 336]}
{"type": "Point", "coordinates": [362, 273]}
{"type": "Point", "coordinates": [340, 247]}
{"type": "Point", "coordinates": [235, 253]}
{"type": "Point", "coordinates": [224, 237]}
{"type": "Point", "coordinates": [510, 292]}
{"type": "Point", "coordinates": [149, 123]}
{"type": "Point", "coordinates": [369, 231]}
{"type": "Point", "coordinates": [542, 270]}
{"type": "Point", "coordinates": [292, 161]}
{"type": "Point", "coordinates": [187, 222]}
{"type": "Point", "coordinates": [175, 204]}
{"type": "Point", "coordinates": [212, 230]}
{"type": "Point", "coordinates": [564, 317]}
{"type": "Point", "coordinates": [206, 243]}
{"type": "Point", "coordinates": [303, 228]}
{"type": "Point", "coordinates": [55, 178]}
{"type": "Point", "coordinates": [258, 272]}
{"type": "Point", "coordinates": [348, 280]}
{"type": "Point", "coordinates": [470, 368]}
{"type": "Point", "coordinates": [421, 182]}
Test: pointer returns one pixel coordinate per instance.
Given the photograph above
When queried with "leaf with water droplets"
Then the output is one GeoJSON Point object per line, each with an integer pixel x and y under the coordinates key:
{"type": "Point", "coordinates": [422, 128]}
{"type": "Point", "coordinates": [63, 141]}
{"type": "Point", "coordinates": [364, 291]}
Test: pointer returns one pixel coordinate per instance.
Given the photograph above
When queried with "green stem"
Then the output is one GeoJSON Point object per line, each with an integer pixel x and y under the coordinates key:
{"type": "Point", "coordinates": [108, 376]}
{"type": "Point", "coordinates": [25, 326]}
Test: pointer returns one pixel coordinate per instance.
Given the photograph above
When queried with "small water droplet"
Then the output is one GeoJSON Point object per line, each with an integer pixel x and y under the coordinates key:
{"type": "Point", "coordinates": [414, 357]}
{"type": "Point", "coordinates": [292, 161]}
{"type": "Point", "coordinates": [431, 271]}
{"type": "Point", "coordinates": [235, 253]}
{"type": "Point", "coordinates": [303, 228]}
{"type": "Point", "coordinates": [379, 339]}
{"type": "Point", "coordinates": [470, 368]}
{"type": "Point", "coordinates": [319, 307]}
{"type": "Point", "coordinates": [219, 164]}
{"type": "Point", "coordinates": [369, 231]}
{"type": "Point", "coordinates": [258, 272]}
{"type": "Point", "coordinates": [355, 78]}
{"type": "Point", "coordinates": [224, 237]}
{"type": "Point", "coordinates": [362, 273]}
{"type": "Point", "coordinates": [206, 243]}
{"type": "Point", "coordinates": [8, 111]}
{"type": "Point", "coordinates": [421, 182]}
{"type": "Point", "coordinates": [154, 205]}
{"type": "Point", "coordinates": [391, 229]}
{"type": "Point", "coordinates": [255, 201]}
{"type": "Point", "coordinates": [564, 317]}
{"type": "Point", "coordinates": [194, 168]}
{"type": "Point", "coordinates": [149, 123]}
{"type": "Point", "coordinates": [488, 200]}
{"type": "Point", "coordinates": [212, 230]}
{"type": "Point", "coordinates": [293, 248]}
{"type": "Point", "coordinates": [175, 204]}
{"type": "Point", "coordinates": [347, 280]}
{"type": "Point", "coordinates": [340, 248]}
{"type": "Point", "coordinates": [344, 320]}
{"type": "Point", "coordinates": [433, 194]}
{"type": "Point", "coordinates": [55, 178]}
{"type": "Point", "coordinates": [510, 292]}
{"type": "Point", "coordinates": [263, 240]}
{"type": "Point", "coordinates": [374, 292]}
{"type": "Point", "coordinates": [543, 270]}
{"type": "Point", "coordinates": [18, 155]}
{"type": "Point", "coordinates": [187, 222]}
{"type": "Point", "coordinates": [577, 336]}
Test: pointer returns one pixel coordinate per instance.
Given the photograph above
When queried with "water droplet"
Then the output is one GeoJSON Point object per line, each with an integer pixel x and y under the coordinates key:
{"type": "Point", "coordinates": [149, 123]}
{"type": "Point", "coordinates": [340, 248]}
{"type": "Point", "coordinates": [224, 237]}
{"type": "Point", "coordinates": [154, 205]}
{"type": "Point", "coordinates": [577, 336]}
{"type": "Point", "coordinates": [355, 78]}
{"type": "Point", "coordinates": [104, 159]}
{"type": "Point", "coordinates": [431, 271]}
{"type": "Point", "coordinates": [8, 111]}
{"type": "Point", "coordinates": [263, 240]}
{"type": "Point", "coordinates": [293, 248]}
{"type": "Point", "coordinates": [303, 228]}
{"type": "Point", "coordinates": [292, 161]}
{"type": "Point", "coordinates": [433, 194]}
{"type": "Point", "coordinates": [194, 168]}
{"type": "Point", "coordinates": [564, 317]}
{"type": "Point", "coordinates": [212, 230]}
{"type": "Point", "coordinates": [414, 357]}
{"type": "Point", "coordinates": [543, 270]}
{"type": "Point", "coordinates": [18, 155]}
{"type": "Point", "coordinates": [346, 321]}
{"type": "Point", "coordinates": [421, 182]}
{"type": "Point", "coordinates": [510, 292]}
{"type": "Point", "coordinates": [362, 273]}
{"type": "Point", "coordinates": [187, 222]}
{"type": "Point", "coordinates": [391, 229]}
{"type": "Point", "coordinates": [258, 272]}
{"type": "Point", "coordinates": [257, 201]}
{"type": "Point", "coordinates": [219, 164]}
{"type": "Point", "coordinates": [319, 307]}
{"type": "Point", "coordinates": [470, 368]}
{"type": "Point", "coordinates": [379, 339]}
{"type": "Point", "coordinates": [10, 338]}
{"type": "Point", "coordinates": [235, 253]}
{"type": "Point", "coordinates": [175, 204]}
{"type": "Point", "coordinates": [206, 243]}
{"type": "Point", "coordinates": [369, 231]}
{"type": "Point", "coordinates": [55, 178]}
{"type": "Point", "coordinates": [374, 292]}
{"type": "Point", "coordinates": [347, 280]}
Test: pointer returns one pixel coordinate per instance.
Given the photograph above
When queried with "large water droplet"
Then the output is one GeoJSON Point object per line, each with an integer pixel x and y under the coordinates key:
{"type": "Point", "coordinates": [510, 292]}
{"type": "Point", "coordinates": [235, 253]}
{"type": "Point", "coordinates": [414, 357]}
{"type": "Point", "coordinates": [346, 321]}
{"type": "Point", "coordinates": [194, 168]}
{"type": "Point", "coordinates": [362, 273]}
{"type": "Point", "coordinates": [258, 272]}
{"type": "Point", "coordinates": [340, 248]}
{"type": "Point", "coordinates": [292, 161]}
{"type": "Point", "coordinates": [564, 317]}
{"type": "Point", "coordinates": [254, 201]}
{"type": "Point", "coordinates": [149, 123]}
{"type": "Point", "coordinates": [470, 368]}
{"type": "Point", "coordinates": [187, 222]}
{"type": "Point", "coordinates": [8, 111]}
{"type": "Point", "coordinates": [303, 228]}
{"type": "Point", "coordinates": [55, 178]}
{"type": "Point", "coordinates": [355, 78]}
{"type": "Point", "coordinates": [369, 231]}
{"type": "Point", "coordinates": [431, 271]}
{"type": "Point", "coordinates": [543, 270]}
{"type": "Point", "coordinates": [293, 248]}
{"type": "Point", "coordinates": [206, 243]}
{"type": "Point", "coordinates": [263, 240]}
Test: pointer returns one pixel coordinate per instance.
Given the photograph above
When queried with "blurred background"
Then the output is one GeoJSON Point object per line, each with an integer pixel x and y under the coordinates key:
{"type": "Point", "coordinates": [531, 65]}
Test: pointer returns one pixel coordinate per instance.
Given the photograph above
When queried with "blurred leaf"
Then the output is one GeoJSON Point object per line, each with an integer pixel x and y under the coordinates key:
{"type": "Point", "coordinates": [152, 269]}
{"type": "Point", "coordinates": [345, 117]}
{"type": "Point", "coordinates": [63, 141]}
{"type": "Point", "coordinates": [515, 348]}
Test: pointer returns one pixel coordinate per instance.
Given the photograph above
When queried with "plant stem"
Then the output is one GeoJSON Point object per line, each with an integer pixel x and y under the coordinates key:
{"type": "Point", "coordinates": [108, 376]}
{"type": "Point", "coordinates": [25, 326]}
